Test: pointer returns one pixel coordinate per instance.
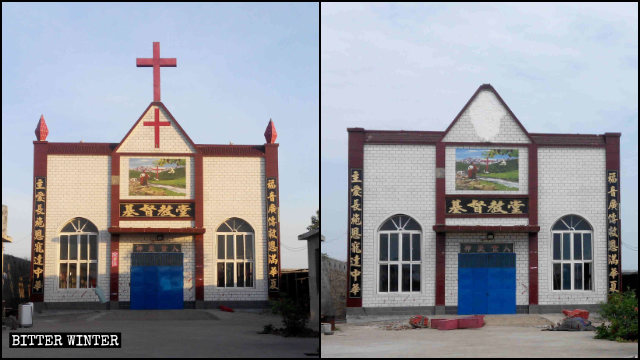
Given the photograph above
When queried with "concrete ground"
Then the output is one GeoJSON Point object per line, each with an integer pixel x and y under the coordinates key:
{"type": "Point", "coordinates": [502, 336]}
{"type": "Point", "coordinates": [168, 333]}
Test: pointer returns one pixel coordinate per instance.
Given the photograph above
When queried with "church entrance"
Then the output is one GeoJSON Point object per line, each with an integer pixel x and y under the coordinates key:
{"type": "Point", "coordinates": [157, 280]}
{"type": "Point", "coordinates": [486, 283]}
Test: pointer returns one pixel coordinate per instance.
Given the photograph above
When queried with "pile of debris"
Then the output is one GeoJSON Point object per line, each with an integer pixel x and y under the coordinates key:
{"type": "Point", "coordinates": [575, 320]}
{"type": "Point", "coordinates": [421, 322]}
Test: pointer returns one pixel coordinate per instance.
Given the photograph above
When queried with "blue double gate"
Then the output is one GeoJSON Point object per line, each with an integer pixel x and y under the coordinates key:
{"type": "Point", "coordinates": [156, 281]}
{"type": "Point", "coordinates": [487, 283]}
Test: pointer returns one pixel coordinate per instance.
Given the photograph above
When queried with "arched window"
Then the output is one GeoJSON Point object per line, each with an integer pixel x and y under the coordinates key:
{"type": "Point", "coordinates": [572, 254]}
{"type": "Point", "coordinates": [399, 255]}
{"type": "Point", "coordinates": [78, 254]}
{"type": "Point", "coordinates": [235, 253]}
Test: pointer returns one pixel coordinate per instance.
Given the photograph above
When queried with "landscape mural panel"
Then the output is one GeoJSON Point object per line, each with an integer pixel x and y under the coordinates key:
{"type": "Point", "coordinates": [487, 169]}
{"type": "Point", "coordinates": [157, 177]}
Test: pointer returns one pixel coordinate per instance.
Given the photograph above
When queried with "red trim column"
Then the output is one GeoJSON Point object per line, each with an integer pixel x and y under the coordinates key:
{"type": "Point", "coordinates": [441, 237]}
{"type": "Point", "coordinates": [115, 268]}
{"type": "Point", "coordinates": [356, 161]}
{"type": "Point", "coordinates": [271, 171]}
{"type": "Point", "coordinates": [533, 221]}
{"type": "Point", "coordinates": [114, 289]}
{"type": "Point", "coordinates": [612, 146]}
{"type": "Point", "coordinates": [40, 150]}
{"type": "Point", "coordinates": [199, 221]}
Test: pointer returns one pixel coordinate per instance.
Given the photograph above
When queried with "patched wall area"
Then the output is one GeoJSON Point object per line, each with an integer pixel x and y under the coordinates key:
{"type": "Point", "coordinates": [521, 246]}
{"type": "Point", "coordinates": [572, 181]}
{"type": "Point", "coordinates": [486, 120]}
{"type": "Point", "coordinates": [77, 186]}
{"type": "Point", "coordinates": [234, 187]}
{"type": "Point", "coordinates": [398, 179]}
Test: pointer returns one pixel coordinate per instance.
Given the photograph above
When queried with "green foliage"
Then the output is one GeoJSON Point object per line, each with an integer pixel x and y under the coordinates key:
{"type": "Point", "coordinates": [511, 175]}
{"type": "Point", "coordinates": [294, 316]}
{"type": "Point", "coordinates": [315, 221]}
{"type": "Point", "coordinates": [178, 162]}
{"type": "Point", "coordinates": [621, 314]}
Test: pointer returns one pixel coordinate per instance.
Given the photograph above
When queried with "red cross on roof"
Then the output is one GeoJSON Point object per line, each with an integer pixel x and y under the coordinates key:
{"type": "Point", "coordinates": [156, 62]}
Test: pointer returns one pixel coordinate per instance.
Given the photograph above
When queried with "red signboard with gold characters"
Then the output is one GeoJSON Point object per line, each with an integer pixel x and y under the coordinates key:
{"type": "Point", "coordinates": [355, 234]}
{"type": "Point", "coordinates": [613, 231]}
{"type": "Point", "coordinates": [39, 216]}
{"type": "Point", "coordinates": [273, 239]}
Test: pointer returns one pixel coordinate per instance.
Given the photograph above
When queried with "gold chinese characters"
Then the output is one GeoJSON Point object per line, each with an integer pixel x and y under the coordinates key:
{"type": "Point", "coordinates": [487, 206]}
{"type": "Point", "coordinates": [173, 210]}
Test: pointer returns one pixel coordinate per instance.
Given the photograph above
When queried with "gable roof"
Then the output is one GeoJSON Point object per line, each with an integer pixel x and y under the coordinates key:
{"type": "Point", "coordinates": [489, 88]}
{"type": "Point", "coordinates": [159, 104]}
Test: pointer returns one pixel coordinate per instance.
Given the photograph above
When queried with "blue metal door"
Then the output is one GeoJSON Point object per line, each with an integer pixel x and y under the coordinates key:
{"type": "Point", "coordinates": [486, 283]}
{"type": "Point", "coordinates": [156, 281]}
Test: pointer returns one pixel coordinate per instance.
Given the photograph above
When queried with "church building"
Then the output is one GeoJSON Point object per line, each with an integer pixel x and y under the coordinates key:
{"type": "Point", "coordinates": [154, 221]}
{"type": "Point", "coordinates": [481, 218]}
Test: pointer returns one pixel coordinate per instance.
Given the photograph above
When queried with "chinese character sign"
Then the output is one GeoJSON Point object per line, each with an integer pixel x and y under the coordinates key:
{"type": "Point", "coordinates": [273, 239]}
{"type": "Point", "coordinates": [355, 233]}
{"type": "Point", "coordinates": [157, 210]}
{"type": "Point", "coordinates": [486, 206]}
{"type": "Point", "coordinates": [613, 230]}
{"type": "Point", "coordinates": [39, 218]}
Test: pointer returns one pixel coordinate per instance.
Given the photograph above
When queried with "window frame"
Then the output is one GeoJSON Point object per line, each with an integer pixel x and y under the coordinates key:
{"type": "Point", "coordinates": [400, 231]}
{"type": "Point", "coordinates": [80, 232]}
{"type": "Point", "coordinates": [236, 260]}
{"type": "Point", "coordinates": [572, 260]}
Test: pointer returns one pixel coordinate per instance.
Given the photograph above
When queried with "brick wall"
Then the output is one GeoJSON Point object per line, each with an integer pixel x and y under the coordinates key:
{"type": "Point", "coordinates": [572, 181]}
{"type": "Point", "coordinates": [521, 246]}
{"type": "Point", "coordinates": [486, 119]}
{"type": "Point", "coordinates": [141, 138]}
{"type": "Point", "coordinates": [126, 248]}
{"type": "Point", "coordinates": [234, 187]}
{"type": "Point", "coordinates": [398, 179]}
{"type": "Point", "coordinates": [78, 186]}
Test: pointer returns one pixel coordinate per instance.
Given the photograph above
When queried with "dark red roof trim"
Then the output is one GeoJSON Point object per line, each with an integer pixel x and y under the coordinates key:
{"type": "Point", "coordinates": [231, 150]}
{"type": "Point", "coordinates": [462, 228]}
{"type": "Point", "coordinates": [80, 148]}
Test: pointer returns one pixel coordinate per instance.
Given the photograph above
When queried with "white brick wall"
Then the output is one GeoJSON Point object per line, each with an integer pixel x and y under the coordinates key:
{"type": "Point", "coordinates": [398, 179]}
{"type": "Point", "coordinates": [77, 186]}
{"type": "Point", "coordinates": [487, 221]}
{"type": "Point", "coordinates": [124, 178]}
{"type": "Point", "coordinates": [234, 187]}
{"type": "Point", "coordinates": [126, 248]}
{"type": "Point", "coordinates": [450, 170]}
{"type": "Point", "coordinates": [142, 138]}
{"type": "Point", "coordinates": [486, 120]}
{"type": "Point", "coordinates": [572, 181]}
{"type": "Point", "coordinates": [157, 224]}
{"type": "Point", "coordinates": [521, 245]}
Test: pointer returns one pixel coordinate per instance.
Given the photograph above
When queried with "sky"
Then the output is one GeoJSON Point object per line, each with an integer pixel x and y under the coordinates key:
{"type": "Point", "coordinates": [238, 66]}
{"type": "Point", "coordinates": [561, 68]}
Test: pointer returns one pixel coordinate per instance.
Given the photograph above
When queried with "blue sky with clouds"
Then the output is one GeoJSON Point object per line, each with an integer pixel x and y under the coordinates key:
{"type": "Point", "coordinates": [238, 65]}
{"type": "Point", "coordinates": [561, 68]}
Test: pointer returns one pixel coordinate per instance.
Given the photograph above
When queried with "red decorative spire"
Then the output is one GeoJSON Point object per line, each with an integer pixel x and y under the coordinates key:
{"type": "Point", "coordinates": [270, 134]}
{"type": "Point", "coordinates": [156, 62]}
{"type": "Point", "coordinates": [41, 130]}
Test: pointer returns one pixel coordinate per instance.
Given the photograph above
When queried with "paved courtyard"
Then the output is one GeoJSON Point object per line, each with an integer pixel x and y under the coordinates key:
{"type": "Point", "coordinates": [496, 339]}
{"type": "Point", "coordinates": [168, 333]}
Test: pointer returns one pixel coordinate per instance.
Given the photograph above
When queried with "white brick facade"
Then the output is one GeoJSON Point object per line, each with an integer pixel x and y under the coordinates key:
{"type": "Point", "coordinates": [398, 179]}
{"type": "Point", "coordinates": [234, 188]}
{"type": "Point", "coordinates": [80, 186]}
{"type": "Point", "coordinates": [77, 186]}
{"type": "Point", "coordinates": [572, 181]}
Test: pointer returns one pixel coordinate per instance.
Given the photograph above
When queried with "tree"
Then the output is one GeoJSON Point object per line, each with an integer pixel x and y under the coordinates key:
{"type": "Point", "coordinates": [162, 162]}
{"type": "Point", "coordinates": [493, 152]}
{"type": "Point", "coordinates": [315, 221]}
